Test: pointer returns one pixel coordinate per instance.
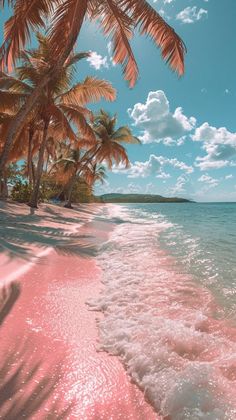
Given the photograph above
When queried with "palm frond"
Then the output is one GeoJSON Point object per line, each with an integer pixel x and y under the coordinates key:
{"type": "Point", "coordinates": [112, 153]}
{"type": "Point", "coordinates": [10, 99]}
{"type": "Point", "coordinates": [28, 14]}
{"type": "Point", "coordinates": [14, 84]}
{"type": "Point", "coordinates": [78, 116]}
{"type": "Point", "coordinates": [60, 120]}
{"type": "Point", "coordinates": [149, 22]}
{"type": "Point", "coordinates": [67, 20]}
{"type": "Point", "coordinates": [7, 2]}
{"type": "Point", "coordinates": [124, 134]}
{"type": "Point", "coordinates": [74, 58]}
{"type": "Point", "coordinates": [90, 90]}
{"type": "Point", "coordinates": [118, 26]}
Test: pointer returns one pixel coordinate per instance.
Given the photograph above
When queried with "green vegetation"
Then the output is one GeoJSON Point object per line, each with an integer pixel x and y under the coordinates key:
{"type": "Point", "coordinates": [140, 198]}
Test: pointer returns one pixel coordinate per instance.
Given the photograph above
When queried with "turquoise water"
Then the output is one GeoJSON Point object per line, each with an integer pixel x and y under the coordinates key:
{"type": "Point", "coordinates": [169, 307]}
{"type": "Point", "coordinates": [203, 241]}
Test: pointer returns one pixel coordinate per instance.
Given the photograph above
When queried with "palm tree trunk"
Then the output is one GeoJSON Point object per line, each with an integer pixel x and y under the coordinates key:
{"type": "Point", "coordinates": [18, 122]}
{"type": "Point", "coordinates": [30, 157]}
{"type": "Point", "coordinates": [35, 194]}
{"type": "Point", "coordinates": [84, 162]}
{"type": "Point", "coordinates": [47, 162]}
{"type": "Point", "coordinates": [68, 204]}
{"type": "Point", "coordinates": [4, 187]}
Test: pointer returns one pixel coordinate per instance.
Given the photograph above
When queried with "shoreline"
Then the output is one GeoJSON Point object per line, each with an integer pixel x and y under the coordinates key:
{"type": "Point", "coordinates": [52, 315]}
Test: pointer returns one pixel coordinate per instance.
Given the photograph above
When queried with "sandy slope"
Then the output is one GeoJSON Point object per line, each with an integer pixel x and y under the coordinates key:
{"type": "Point", "coordinates": [51, 323]}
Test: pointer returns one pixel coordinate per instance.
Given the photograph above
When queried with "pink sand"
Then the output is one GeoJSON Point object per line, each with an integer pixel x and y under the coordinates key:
{"type": "Point", "coordinates": [52, 324]}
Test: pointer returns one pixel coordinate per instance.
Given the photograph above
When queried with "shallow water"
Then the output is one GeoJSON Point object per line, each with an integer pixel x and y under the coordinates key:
{"type": "Point", "coordinates": [169, 302]}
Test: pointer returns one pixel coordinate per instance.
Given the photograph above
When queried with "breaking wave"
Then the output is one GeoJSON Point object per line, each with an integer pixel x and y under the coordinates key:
{"type": "Point", "coordinates": [163, 324]}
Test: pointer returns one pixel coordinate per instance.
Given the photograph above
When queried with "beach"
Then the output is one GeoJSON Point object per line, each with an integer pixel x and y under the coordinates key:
{"type": "Point", "coordinates": [51, 335]}
{"type": "Point", "coordinates": [122, 312]}
{"type": "Point", "coordinates": [117, 210]}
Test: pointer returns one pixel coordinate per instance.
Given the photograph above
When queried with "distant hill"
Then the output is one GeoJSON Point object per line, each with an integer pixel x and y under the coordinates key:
{"type": "Point", "coordinates": [139, 198]}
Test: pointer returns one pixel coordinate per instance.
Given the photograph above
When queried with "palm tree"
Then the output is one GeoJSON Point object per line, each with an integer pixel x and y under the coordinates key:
{"type": "Point", "coordinates": [117, 18]}
{"type": "Point", "coordinates": [108, 148]}
{"type": "Point", "coordinates": [19, 146]}
{"type": "Point", "coordinates": [73, 166]}
{"type": "Point", "coordinates": [68, 168]}
{"type": "Point", "coordinates": [60, 104]}
{"type": "Point", "coordinates": [95, 174]}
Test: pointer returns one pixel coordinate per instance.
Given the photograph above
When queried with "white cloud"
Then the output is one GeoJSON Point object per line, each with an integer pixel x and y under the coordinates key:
{"type": "Point", "coordinates": [219, 145]}
{"type": "Point", "coordinates": [191, 14]}
{"type": "Point", "coordinates": [211, 182]}
{"type": "Point", "coordinates": [110, 53]}
{"type": "Point", "coordinates": [176, 164]}
{"type": "Point", "coordinates": [164, 1]}
{"type": "Point", "coordinates": [229, 176]}
{"type": "Point", "coordinates": [133, 188]}
{"type": "Point", "coordinates": [97, 61]}
{"type": "Point", "coordinates": [179, 187]}
{"type": "Point", "coordinates": [163, 175]}
{"type": "Point", "coordinates": [157, 123]}
{"type": "Point", "coordinates": [143, 169]}
{"type": "Point", "coordinates": [152, 167]}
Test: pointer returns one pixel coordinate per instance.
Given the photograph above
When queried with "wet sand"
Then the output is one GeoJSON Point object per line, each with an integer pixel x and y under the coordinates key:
{"type": "Point", "coordinates": [51, 326]}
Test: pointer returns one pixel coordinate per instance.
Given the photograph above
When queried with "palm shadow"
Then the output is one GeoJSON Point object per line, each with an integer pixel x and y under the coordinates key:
{"type": "Point", "coordinates": [24, 389]}
{"type": "Point", "coordinates": [18, 233]}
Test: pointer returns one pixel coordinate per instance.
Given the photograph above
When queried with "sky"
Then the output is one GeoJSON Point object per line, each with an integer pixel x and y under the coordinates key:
{"type": "Point", "coordinates": [187, 125]}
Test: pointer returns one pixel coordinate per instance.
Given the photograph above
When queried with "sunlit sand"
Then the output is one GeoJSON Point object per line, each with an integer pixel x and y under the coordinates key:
{"type": "Point", "coordinates": [51, 326]}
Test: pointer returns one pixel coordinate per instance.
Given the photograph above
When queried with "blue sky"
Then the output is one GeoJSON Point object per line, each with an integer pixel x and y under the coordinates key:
{"type": "Point", "coordinates": [187, 125]}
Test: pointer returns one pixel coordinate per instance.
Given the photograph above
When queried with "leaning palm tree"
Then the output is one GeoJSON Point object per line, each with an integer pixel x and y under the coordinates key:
{"type": "Point", "coordinates": [119, 19]}
{"type": "Point", "coordinates": [108, 148]}
{"type": "Point", "coordinates": [60, 104]}
{"type": "Point", "coordinates": [74, 166]}
{"type": "Point", "coordinates": [95, 173]}
{"type": "Point", "coordinates": [66, 170]}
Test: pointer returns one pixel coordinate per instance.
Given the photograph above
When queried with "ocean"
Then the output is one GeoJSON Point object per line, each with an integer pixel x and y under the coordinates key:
{"type": "Point", "coordinates": [169, 274]}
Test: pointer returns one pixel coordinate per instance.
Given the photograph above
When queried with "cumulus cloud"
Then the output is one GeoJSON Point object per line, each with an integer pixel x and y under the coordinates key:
{"type": "Point", "coordinates": [191, 14]}
{"type": "Point", "coordinates": [163, 175]}
{"type": "Point", "coordinates": [179, 187]}
{"type": "Point", "coordinates": [152, 167]}
{"type": "Point", "coordinates": [97, 61]}
{"type": "Point", "coordinates": [141, 169]}
{"type": "Point", "coordinates": [157, 123]}
{"type": "Point", "coordinates": [211, 182]}
{"type": "Point", "coordinates": [229, 176]}
{"type": "Point", "coordinates": [219, 145]}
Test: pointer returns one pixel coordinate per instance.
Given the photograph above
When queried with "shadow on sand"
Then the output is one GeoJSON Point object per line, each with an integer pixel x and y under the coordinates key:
{"type": "Point", "coordinates": [24, 387]}
{"type": "Point", "coordinates": [19, 232]}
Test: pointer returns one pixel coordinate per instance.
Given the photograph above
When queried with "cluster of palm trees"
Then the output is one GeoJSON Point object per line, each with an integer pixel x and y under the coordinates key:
{"type": "Point", "coordinates": [43, 107]}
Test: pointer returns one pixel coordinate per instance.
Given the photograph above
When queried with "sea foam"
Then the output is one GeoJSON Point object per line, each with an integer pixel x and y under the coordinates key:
{"type": "Point", "coordinates": [162, 325]}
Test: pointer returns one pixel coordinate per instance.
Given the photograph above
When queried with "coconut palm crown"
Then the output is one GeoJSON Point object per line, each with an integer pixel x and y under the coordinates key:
{"type": "Point", "coordinates": [118, 19]}
{"type": "Point", "coordinates": [109, 148]}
